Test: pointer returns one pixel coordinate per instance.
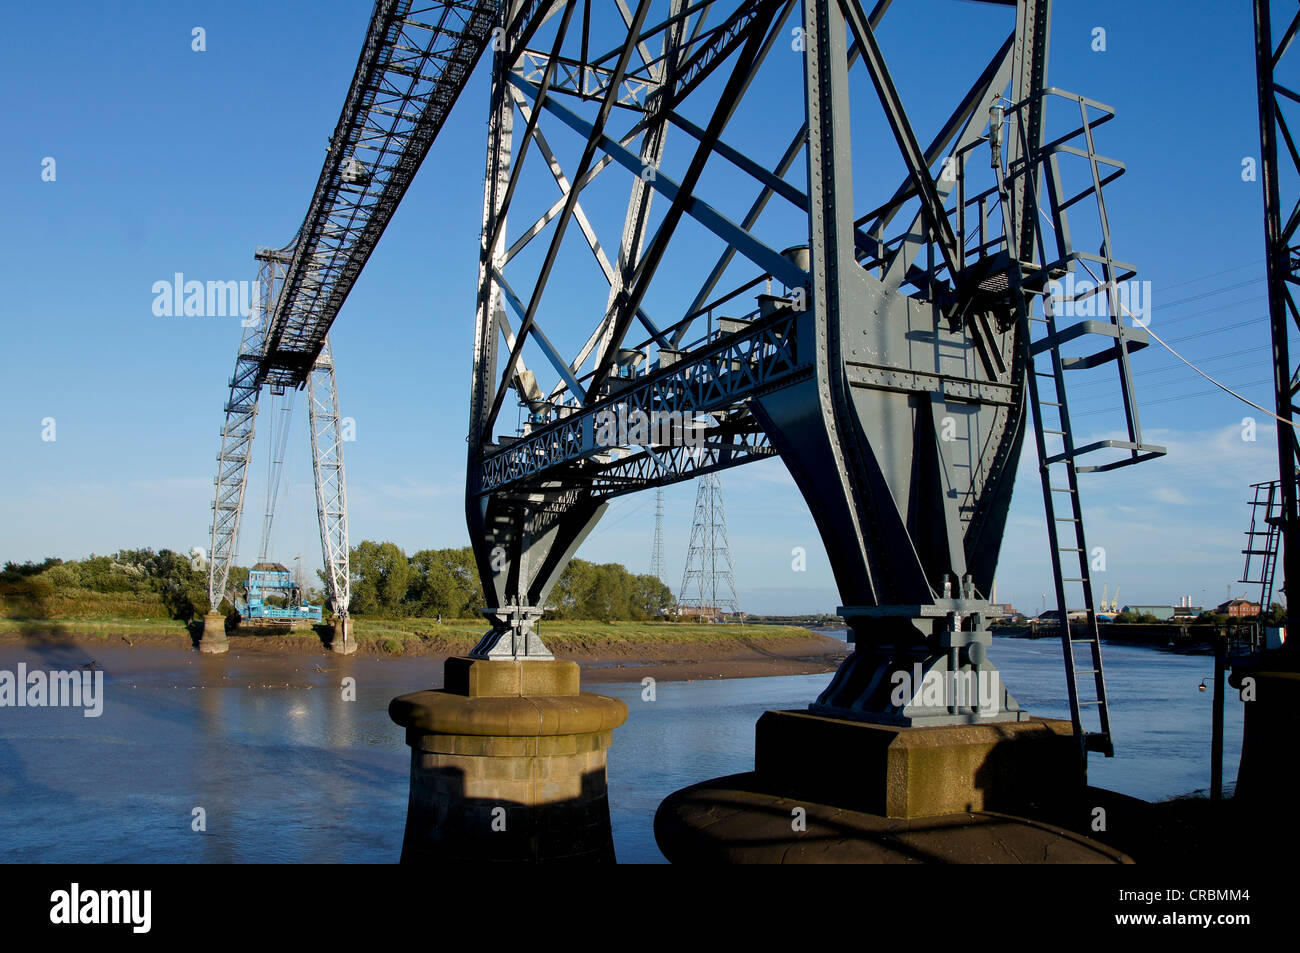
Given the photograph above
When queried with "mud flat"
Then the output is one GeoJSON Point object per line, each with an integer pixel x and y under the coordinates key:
{"type": "Point", "coordinates": [613, 656]}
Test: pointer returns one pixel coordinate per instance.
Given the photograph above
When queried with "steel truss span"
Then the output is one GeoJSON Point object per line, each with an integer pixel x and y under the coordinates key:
{"type": "Point", "coordinates": [682, 234]}
{"type": "Point", "coordinates": [892, 346]}
{"type": "Point", "coordinates": [415, 60]}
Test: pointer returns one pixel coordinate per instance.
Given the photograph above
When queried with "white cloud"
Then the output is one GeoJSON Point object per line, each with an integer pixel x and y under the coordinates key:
{"type": "Point", "coordinates": [1170, 495]}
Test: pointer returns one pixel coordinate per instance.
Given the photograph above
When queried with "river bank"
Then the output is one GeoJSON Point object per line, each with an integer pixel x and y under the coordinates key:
{"type": "Point", "coordinates": [605, 651]}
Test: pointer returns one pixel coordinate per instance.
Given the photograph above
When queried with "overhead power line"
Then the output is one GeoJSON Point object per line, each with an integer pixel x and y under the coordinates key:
{"type": "Point", "coordinates": [1161, 341]}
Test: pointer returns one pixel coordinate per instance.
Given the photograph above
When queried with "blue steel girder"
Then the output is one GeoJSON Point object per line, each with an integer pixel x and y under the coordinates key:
{"type": "Point", "coordinates": [722, 40]}
{"type": "Point", "coordinates": [720, 376]}
{"type": "Point", "coordinates": [661, 466]}
{"type": "Point", "coordinates": [540, 78]}
{"type": "Point", "coordinates": [741, 239]}
{"type": "Point", "coordinates": [571, 77]}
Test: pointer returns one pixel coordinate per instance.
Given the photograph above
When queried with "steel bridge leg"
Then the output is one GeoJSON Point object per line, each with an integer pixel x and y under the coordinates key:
{"type": "Point", "coordinates": [1278, 258]}
{"type": "Point", "coordinates": [521, 542]}
{"type": "Point", "coordinates": [521, 548]}
{"type": "Point", "coordinates": [236, 452]}
{"type": "Point", "coordinates": [909, 486]}
{"type": "Point", "coordinates": [331, 493]}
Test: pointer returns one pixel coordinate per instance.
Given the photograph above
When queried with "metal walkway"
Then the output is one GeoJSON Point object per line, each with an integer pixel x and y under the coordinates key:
{"type": "Point", "coordinates": [416, 60]}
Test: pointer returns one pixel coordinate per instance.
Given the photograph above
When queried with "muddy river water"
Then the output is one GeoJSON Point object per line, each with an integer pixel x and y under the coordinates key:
{"type": "Point", "coordinates": [285, 769]}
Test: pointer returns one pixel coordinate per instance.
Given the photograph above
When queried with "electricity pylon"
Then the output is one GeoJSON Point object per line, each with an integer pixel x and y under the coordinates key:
{"type": "Point", "coordinates": [709, 573]}
{"type": "Point", "coordinates": [657, 552]}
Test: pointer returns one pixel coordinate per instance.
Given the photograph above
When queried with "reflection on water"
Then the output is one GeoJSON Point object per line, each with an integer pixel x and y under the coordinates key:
{"type": "Point", "coordinates": [287, 771]}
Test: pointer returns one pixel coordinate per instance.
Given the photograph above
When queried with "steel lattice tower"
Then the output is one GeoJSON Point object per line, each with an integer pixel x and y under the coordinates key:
{"type": "Point", "coordinates": [1282, 263]}
{"type": "Point", "coordinates": [657, 552]}
{"type": "Point", "coordinates": [708, 559]}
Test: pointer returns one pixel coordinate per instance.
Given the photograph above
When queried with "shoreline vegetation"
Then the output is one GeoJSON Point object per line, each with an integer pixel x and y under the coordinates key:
{"type": "Point", "coordinates": [385, 584]}
{"type": "Point", "coordinates": [427, 605]}
{"type": "Point", "coordinates": [606, 651]}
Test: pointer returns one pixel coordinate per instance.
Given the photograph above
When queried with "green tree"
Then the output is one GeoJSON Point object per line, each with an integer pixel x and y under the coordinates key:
{"type": "Point", "coordinates": [610, 598]}
{"type": "Point", "coordinates": [574, 592]}
{"type": "Point", "coordinates": [183, 588]}
{"type": "Point", "coordinates": [381, 576]}
{"type": "Point", "coordinates": [14, 572]}
{"type": "Point", "coordinates": [606, 591]}
{"type": "Point", "coordinates": [469, 587]}
{"type": "Point", "coordinates": [1143, 618]}
{"type": "Point", "coordinates": [445, 582]}
{"type": "Point", "coordinates": [650, 597]}
{"type": "Point", "coordinates": [100, 574]}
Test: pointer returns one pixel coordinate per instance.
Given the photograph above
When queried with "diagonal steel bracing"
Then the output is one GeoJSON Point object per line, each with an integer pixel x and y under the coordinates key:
{"type": "Point", "coordinates": [238, 430]}
{"type": "Point", "coordinates": [887, 370]}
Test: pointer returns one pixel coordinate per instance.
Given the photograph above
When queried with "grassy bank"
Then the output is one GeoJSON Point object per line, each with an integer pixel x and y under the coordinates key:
{"type": "Point", "coordinates": [33, 602]}
{"type": "Point", "coordinates": [108, 618]}
{"type": "Point", "coordinates": [397, 636]}
{"type": "Point", "coordinates": [32, 609]}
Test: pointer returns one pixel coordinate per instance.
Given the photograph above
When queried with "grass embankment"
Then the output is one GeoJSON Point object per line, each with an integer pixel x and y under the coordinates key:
{"type": "Point", "coordinates": [567, 636]}
{"type": "Point", "coordinates": [103, 616]}
{"type": "Point", "coordinates": [83, 612]}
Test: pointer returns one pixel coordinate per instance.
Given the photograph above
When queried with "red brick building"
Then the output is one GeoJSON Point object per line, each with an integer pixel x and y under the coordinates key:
{"type": "Point", "coordinates": [1238, 608]}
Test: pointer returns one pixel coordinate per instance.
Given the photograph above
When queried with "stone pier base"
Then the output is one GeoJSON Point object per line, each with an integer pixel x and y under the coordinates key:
{"type": "Point", "coordinates": [213, 641]}
{"type": "Point", "coordinates": [343, 643]}
{"type": "Point", "coordinates": [828, 790]}
{"type": "Point", "coordinates": [508, 765]}
{"type": "Point", "coordinates": [1014, 767]}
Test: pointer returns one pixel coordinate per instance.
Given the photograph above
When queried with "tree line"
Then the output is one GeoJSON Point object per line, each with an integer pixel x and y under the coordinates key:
{"type": "Point", "coordinates": [1276, 616]}
{"type": "Point", "coordinates": [433, 582]}
{"type": "Point", "coordinates": [167, 576]}
{"type": "Point", "coordinates": [385, 583]}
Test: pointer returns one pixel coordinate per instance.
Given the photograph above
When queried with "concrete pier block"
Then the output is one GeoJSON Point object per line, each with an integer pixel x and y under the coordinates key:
{"type": "Point", "coordinates": [213, 641]}
{"type": "Point", "coordinates": [833, 790]}
{"type": "Point", "coordinates": [1020, 768]}
{"type": "Point", "coordinates": [508, 765]}
{"type": "Point", "coordinates": [343, 643]}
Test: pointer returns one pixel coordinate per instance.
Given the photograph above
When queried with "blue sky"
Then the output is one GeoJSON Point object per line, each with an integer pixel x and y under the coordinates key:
{"type": "Point", "coordinates": [170, 160]}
